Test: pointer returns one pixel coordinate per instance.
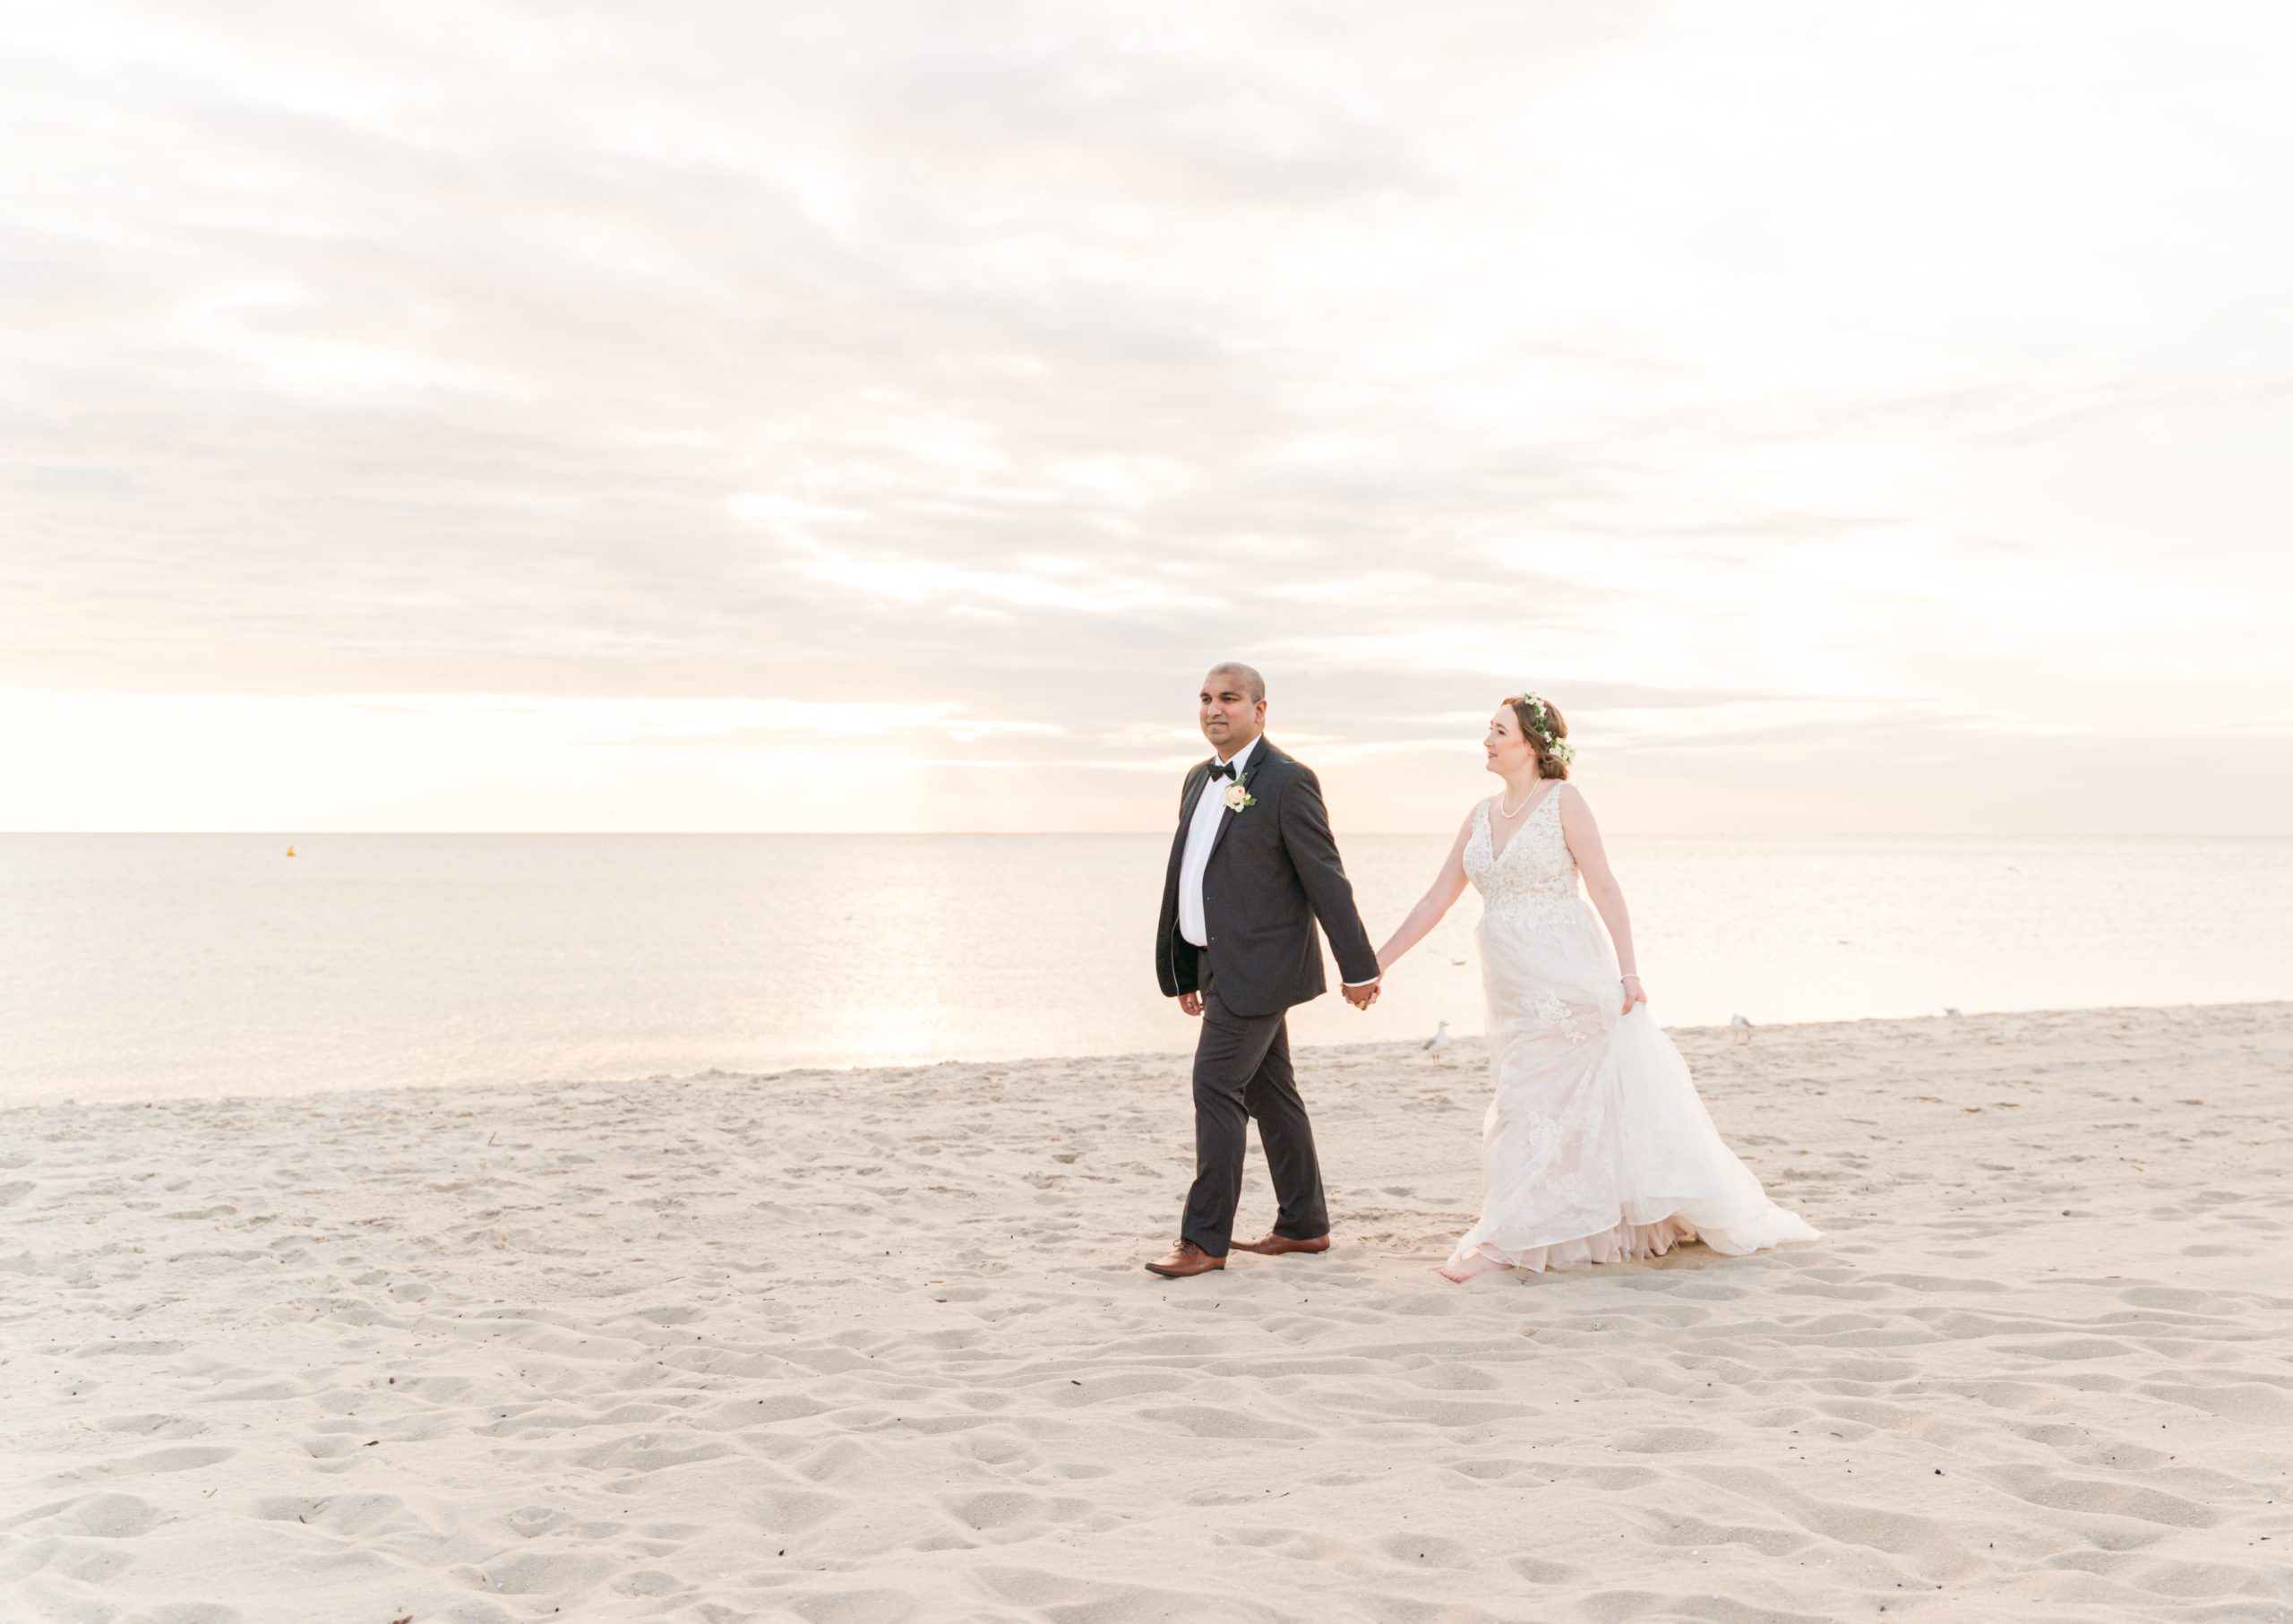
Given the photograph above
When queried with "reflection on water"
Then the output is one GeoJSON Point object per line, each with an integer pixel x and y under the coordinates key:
{"type": "Point", "coordinates": [133, 965]}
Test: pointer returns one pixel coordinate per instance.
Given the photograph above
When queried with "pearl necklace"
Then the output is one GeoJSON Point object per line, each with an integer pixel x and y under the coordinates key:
{"type": "Point", "coordinates": [1510, 812]}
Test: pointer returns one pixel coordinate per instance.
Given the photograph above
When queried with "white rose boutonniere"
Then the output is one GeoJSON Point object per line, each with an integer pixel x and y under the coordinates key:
{"type": "Point", "coordinates": [1238, 796]}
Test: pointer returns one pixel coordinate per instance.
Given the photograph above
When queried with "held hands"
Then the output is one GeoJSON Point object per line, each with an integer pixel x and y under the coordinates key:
{"type": "Point", "coordinates": [1633, 994]}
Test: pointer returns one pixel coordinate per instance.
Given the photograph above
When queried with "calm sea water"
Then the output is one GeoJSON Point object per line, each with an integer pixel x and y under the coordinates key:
{"type": "Point", "coordinates": [141, 966]}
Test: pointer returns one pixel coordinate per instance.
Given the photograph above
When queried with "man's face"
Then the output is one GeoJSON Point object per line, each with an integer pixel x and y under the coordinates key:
{"type": "Point", "coordinates": [1231, 718]}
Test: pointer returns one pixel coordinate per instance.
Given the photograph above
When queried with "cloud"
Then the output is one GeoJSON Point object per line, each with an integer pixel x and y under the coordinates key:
{"type": "Point", "coordinates": [724, 356]}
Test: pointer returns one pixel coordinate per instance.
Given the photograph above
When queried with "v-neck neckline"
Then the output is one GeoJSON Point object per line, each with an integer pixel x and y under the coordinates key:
{"type": "Point", "coordinates": [1520, 826]}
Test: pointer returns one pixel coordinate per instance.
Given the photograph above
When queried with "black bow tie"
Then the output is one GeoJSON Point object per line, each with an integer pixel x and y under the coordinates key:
{"type": "Point", "coordinates": [1222, 770]}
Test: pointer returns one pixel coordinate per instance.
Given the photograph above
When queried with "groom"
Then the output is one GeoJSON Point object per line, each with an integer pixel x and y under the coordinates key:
{"type": "Point", "coordinates": [1252, 866]}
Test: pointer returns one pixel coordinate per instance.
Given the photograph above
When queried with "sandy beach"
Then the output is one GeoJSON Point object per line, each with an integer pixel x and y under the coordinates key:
{"type": "Point", "coordinates": [851, 1347]}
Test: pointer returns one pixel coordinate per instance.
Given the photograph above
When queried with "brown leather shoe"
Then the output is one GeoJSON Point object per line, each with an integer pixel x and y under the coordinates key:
{"type": "Point", "coordinates": [1274, 1246]}
{"type": "Point", "coordinates": [1186, 1258]}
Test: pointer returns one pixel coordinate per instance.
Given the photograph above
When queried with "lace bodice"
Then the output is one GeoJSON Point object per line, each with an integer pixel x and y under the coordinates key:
{"type": "Point", "coordinates": [1534, 867]}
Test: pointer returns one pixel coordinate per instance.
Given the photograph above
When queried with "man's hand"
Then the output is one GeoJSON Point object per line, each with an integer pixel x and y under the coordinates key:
{"type": "Point", "coordinates": [1362, 996]}
{"type": "Point", "coordinates": [1191, 1002]}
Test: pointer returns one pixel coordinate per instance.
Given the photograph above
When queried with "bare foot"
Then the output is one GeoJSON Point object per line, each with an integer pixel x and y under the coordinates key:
{"type": "Point", "coordinates": [1478, 1264]}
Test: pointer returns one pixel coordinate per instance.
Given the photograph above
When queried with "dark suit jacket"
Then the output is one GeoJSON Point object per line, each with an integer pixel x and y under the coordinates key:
{"type": "Point", "coordinates": [1272, 872]}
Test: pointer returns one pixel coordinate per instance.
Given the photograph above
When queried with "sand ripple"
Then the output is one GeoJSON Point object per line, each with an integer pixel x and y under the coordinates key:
{"type": "Point", "coordinates": [862, 1348]}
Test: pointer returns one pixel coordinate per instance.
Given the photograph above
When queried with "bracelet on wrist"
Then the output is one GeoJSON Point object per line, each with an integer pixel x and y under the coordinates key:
{"type": "Point", "coordinates": [1630, 977]}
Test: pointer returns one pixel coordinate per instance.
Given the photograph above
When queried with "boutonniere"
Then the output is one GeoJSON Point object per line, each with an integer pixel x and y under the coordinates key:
{"type": "Point", "coordinates": [1238, 795]}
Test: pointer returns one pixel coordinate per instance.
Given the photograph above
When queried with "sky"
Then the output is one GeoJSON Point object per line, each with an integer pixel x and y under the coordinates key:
{"type": "Point", "coordinates": [517, 416]}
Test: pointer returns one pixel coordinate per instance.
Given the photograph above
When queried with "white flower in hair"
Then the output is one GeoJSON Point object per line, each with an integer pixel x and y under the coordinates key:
{"type": "Point", "coordinates": [1555, 748]}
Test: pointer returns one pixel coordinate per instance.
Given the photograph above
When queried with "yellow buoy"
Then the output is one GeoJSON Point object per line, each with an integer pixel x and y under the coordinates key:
{"type": "Point", "coordinates": [290, 851]}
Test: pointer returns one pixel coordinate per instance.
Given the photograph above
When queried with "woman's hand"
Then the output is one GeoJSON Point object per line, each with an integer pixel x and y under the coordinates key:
{"type": "Point", "coordinates": [1633, 994]}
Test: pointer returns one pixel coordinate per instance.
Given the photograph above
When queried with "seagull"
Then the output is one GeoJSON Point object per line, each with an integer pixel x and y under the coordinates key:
{"type": "Point", "coordinates": [1439, 1040]}
{"type": "Point", "coordinates": [1740, 1028]}
{"type": "Point", "coordinates": [1953, 1009]}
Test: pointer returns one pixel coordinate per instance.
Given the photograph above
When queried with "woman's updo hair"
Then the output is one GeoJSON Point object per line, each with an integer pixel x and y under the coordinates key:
{"type": "Point", "coordinates": [1541, 731]}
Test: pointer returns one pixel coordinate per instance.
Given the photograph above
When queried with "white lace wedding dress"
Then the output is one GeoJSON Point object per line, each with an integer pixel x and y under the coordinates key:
{"type": "Point", "coordinates": [1596, 1147]}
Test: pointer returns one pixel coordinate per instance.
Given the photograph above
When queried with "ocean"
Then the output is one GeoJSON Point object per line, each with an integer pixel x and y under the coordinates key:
{"type": "Point", "coordinates": [145, 966]}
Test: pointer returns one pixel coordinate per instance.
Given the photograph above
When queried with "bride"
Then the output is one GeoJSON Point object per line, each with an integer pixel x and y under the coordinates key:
{"type": "Point", "coordinates": [1596, 1148]}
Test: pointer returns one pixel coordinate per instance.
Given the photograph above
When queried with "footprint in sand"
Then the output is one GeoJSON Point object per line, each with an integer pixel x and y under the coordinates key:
{"type": "Point", "coordinates": [1677, 1529]}
{"type": "Point", "coordinates": [152, 1425]}
{"type": "Point", "coordinates": [183, 1459]}
{"type": "Point", "coordinates": [347, 1515]}
{"type": "Point", "coordinates": [1425, 1550]}
{"type": "Point", "coordinates": [1490, 1471]}
{"type": "Point", "coordinates": [1537, 1570]}
{"type": "Point", "coordinates": [538, 1573]}
{"type": "Point", "coordinates": [104, 1516]}
{"type": "Point", "coordinates": [2251, 1403]}
{"type": "Point", "coordinates": [852, 1606]}
{"type": "Point", "coordinates": [786, 1511]}
{"type": "Point", "coordinates": [649, 1582]}
{"type": "Point", "coordinates": [1208, 1421]}
{"type": "Point", "coordinates": [1668, 1440]}
{"type": "Point", "coordinates": [1011, 1514]}
{"type": "Point", "coordinates": [2042, 1487]}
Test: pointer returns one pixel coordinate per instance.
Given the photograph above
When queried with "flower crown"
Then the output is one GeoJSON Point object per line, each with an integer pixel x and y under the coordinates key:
{"type": "Point", "coordinates": [1556, 748]}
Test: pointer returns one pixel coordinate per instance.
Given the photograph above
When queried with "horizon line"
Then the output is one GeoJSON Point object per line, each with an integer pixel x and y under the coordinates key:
{"type": "Point", "coordinates": [290, 834]}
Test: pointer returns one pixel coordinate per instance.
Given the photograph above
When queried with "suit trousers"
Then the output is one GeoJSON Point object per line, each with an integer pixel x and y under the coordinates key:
{"type": "Point", "coordinates": [1241, 1070]}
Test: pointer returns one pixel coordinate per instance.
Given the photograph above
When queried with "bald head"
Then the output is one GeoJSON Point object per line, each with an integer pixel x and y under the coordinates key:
{"type": "Point", "coordinates": [1252, 683]}
{"type": "Point", "coordinates": [1233, 708]}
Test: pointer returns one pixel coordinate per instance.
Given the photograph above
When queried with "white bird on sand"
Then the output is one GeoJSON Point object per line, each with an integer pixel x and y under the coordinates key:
{"type": "Point", "coordinates": [1953, 1009]}
{"type": "Point", "coordinates": [1740, 1029]}
{"type": "Point", "coordinates": [1439, 1040]}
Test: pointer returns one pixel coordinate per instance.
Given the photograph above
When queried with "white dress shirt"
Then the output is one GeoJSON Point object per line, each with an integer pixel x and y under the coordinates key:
{"type": "Point", "coordinates": [1201, 835]}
